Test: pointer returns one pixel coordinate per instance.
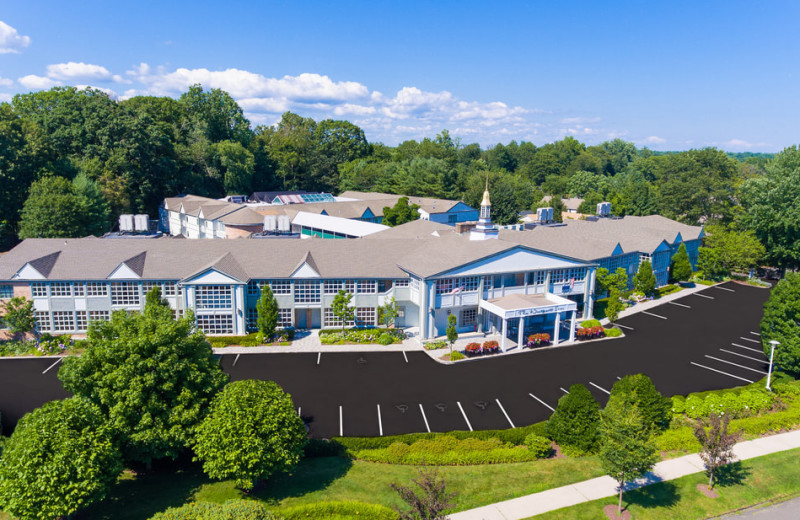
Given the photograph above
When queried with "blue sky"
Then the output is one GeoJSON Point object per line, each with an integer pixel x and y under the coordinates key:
{"type": "Point", "coordinates": [667, 75]}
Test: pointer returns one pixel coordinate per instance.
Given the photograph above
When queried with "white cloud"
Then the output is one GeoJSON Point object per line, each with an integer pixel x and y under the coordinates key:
{"type": "Point", "coordinates": [10, 40]}
{"type": "Point", "coordinates": [5, 97]}
{"type": "Point", "coordinates": [5, 82]}
{"type": "Point", "coordinates": [654, 139]}
{"type": "Point", "coordinates": [737, 143]}
{"type": "Point", "coordinates": [34, 82]}
{"type": "Point", "coordinates": [579, 120]}
{"type": "Point", "coordinates": [72, 71]}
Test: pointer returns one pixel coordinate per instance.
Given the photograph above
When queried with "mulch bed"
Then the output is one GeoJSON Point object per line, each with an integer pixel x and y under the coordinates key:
{"type": "Point", "coordinates": [611, 513]}
{"type": "Point", "coordinates": [709, 493]}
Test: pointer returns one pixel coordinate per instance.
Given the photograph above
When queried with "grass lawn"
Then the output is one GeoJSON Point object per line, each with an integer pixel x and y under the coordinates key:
{"type": "Point", "coordinates": [336, 478]}
{"type": "Point", "coordinates": [764, 479]}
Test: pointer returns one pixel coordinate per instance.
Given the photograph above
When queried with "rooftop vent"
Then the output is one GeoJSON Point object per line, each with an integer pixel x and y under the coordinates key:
{"type": "Point", "coordinates": [270, 223]}
{"type": "Point", "coordinates": [284, 224]}
{"type": "Point", "coordinates": [604, 209]}
{"type": "Point", "coordinates": [141, 223]}
{"type": "Point", "coordinates": [544, 214]}
{"type": "Point", "coordinates": [126, 222]}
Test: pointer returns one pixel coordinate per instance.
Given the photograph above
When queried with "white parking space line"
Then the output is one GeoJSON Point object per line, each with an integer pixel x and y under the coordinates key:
{"type": "Point", "coordinates": [747, 348]}
{"type": "Point", "coordinates": [624, 326]}
{"type": "Point", "coordinates": [679, 305]}
{"type": "Point", "coordinates": [754, 333]}
{"type": "Point", "coordinates": [736, 364]}
{"type": "Point", "coordinates": [619, 378]}
{"type": "Point", "coordinates": [504, 413]}
{"type": "Point", "coordinates": [380, 422]}
{"type": "Point", "coordinates": [703, 295]}
{"type": "Point", "coordinates": [298, 411]}
{"type": "Point", "coordinates": [719, 371]}
{"type": "Point", "coordinates": [46, 370]}
{"type": "Point", "coordinates": [465, 415]}
{"type": "Point", "coordinates": [319, 356]}
{"type": "Point", "coordinates": [562, 389]}
{"type": "Point", "coordinates": [405, 356]}
{"type": "Point", "coordinates": [600, 388]}
{"type": "Point", "coordinates": [722, 288]}
{"type": "Point", "coordinates": [743, 356]}
{"type": "Point", "coordinates": [751, 340]}
{"type": "Point", "coordinates": [545, 404]}
{"type": "Point", "coordinates": [236, 359]}
{"type": "Point", "coordinates": [341, 423]}
{"type": "Point", "coordinates": [424, 418]}
{"type": "Point", "coordinates": [651, 314]}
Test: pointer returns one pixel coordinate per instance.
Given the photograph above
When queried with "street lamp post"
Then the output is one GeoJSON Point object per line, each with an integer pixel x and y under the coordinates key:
{"type": "Point", "coordinates": [771, 357]}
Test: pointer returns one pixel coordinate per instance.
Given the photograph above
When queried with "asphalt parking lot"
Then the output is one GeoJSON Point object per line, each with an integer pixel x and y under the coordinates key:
{"type": "Point", "coordinates": [703, 341]}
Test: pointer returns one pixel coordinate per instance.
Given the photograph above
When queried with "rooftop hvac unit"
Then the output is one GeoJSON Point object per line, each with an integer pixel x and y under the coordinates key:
{"type": "Point", "coordinates": [270, 223]}
{"type": "Point", "coordinates": [126, 222]}
{"type": "Point", "coordinates": [284, 224]}
{"type": "Point", "coordinates": [544, 214]}
{"type": "Point", "coordinates": [604, 209]}
{"type": "Point", "coordinates": [140, 223]}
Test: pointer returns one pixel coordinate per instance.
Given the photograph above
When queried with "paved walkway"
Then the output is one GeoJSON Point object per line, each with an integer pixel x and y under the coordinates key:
{"type": "Point", "coordinates": [602, 487]}
{"type": "Point", "coordinates": [650, 304]}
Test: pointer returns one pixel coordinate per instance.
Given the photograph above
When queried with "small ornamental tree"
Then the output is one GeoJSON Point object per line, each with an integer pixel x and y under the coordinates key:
{"type": "Point", "coordinates": [681, 268]}
{"type": "Point", "coordinates": [267, 321]}
{"type": "Point", "coordinates": [433, 500]}
{"type": "Point", "coordinates": [781, 322]}
{"type": "Point", "coordinates": [716, 442]}
{"type": "Point", "coordinates": [627, 450]}
{"type": "Point", "coordinates": [614, 306]}
{"type": "Point", "coordinates": [18, 315]}
{"type": "Point", "coordinates": [644, 281]}
{"type": "Point", "coordinates": [400, 213]}
{"type": "Point", "coordinates": [60, 458]}
{"type": "Point", "coordinates": [452, 333]}
{"type": "Point", "coordinates": [607, 281]}
{"type": "Point", "coordinates": [575, 421]}
{"type": "Point", "coordinates": [640, 391]}
{"type": "Point", "coordinates": [252, 430]}
{"type": "Point", "coordinates": [388, 312]}
{"type": "Point", "coordinates": [152, 376]}
{"type": "Point", "coordinates": [340, 306]}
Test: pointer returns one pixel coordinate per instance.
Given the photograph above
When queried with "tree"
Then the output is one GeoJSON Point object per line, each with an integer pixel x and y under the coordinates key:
{"type": "Point", "coordinates": [400, 213]}
{"type": "Point", "coordinates": [781, 322]}
{"type": "Point", "coordinates": [433, 500]}
{"type": "Point", "coordinates": [252, 430]}
{"type": "Point", "coordinates": [52, 210]}
{"type": "Point", "coordinates": [711, 264]}
{"type": "Point", "coordinates": [607, 281]}
{"type": "Point", "coordinates": [60, 458]}
{"type": "Point", "coordinates": [627, 450]}
{"type": "Point", "coordinates": [18, 315]}
{"type": "Point", "coordinates": [614, 306]}
{"type": "Point", "coordinates": [452, 332]}
{"type": "Point", "coordinates": [681, 268]}
{"type": "Point", "coordinates": [217, 113]}
{"type": "Point", "coordinates": [340, 306]}
{"type": "Point", "coordinates": [267, 308]}
{"type": "Point", "coordinates": [96, 213]}
{"type": "Point", "coordinates": [717, 443]}
{"type": "Point", "coordinates": [644, 281]}
{"type": "Point", "coordinates": [237, 167]}
{"type": "Point", "coordinates": [770, 209]}
{"type": "Point", "coordinates": [575, 421]}
{"type": "Point", "coordinates": [639, 390]}
{"type": "Point", "coordinates": [151, 375]}
{"type": "Point", "coordinates": [388, 312]}
{"type": "Point", "coordinates": [729, 250]}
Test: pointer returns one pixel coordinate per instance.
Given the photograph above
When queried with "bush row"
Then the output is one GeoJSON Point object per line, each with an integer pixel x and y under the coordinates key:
{"type": "Point", "coordinates": [338, 511]}
{"type": "Point", "coordinates": [436, 345]}
{"type": "Point", "coordinates": [361, 336]}
{"type": "Point", "coordinates": [230, 510]}
{"type": "Point", "coordinates": [449, 451]}
{"type": "Point", "coordinates": [736, 404]}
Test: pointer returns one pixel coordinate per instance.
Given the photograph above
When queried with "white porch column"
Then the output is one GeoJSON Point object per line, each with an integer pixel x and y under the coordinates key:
{"type": "Point", "coordinates": [505, 331]}
{"type": "Point", "coordinates": [555, 330]}
{"type": "Point", "coordinates": [521, 332]}
{"type": "Point", "coordinates": [572, 326]}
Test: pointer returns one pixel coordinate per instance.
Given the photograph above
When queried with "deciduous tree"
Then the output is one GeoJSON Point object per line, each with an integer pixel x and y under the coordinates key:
{"type": "Point", "coordinates": [18, 315]}
{"type": "Point", "coordinates": [341, 308]}
{"type": "Point", "coordinates": [431, 502]}
{"type": "Point", "coordinates": [717, 443]}
{"type": "Point", "coordinates": [640, 391]}
{"type": "Point", "coordinates": [400, 213]}
{"type": "Point", "coordinates": [781, 322]}
{"type": "Point", "coordinates": [452, 332]}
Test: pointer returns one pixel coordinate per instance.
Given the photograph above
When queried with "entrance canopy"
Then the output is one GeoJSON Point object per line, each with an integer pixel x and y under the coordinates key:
{"type": "Point", "coordinates": [524, 305]}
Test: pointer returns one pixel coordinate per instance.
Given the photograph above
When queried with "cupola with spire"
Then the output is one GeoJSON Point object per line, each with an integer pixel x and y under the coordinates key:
{"type": "Point", "coordinates": [484, 230]}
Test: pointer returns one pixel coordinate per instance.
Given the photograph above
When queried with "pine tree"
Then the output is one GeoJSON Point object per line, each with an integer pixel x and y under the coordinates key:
{"type": "Point", "coordinates": [267, 320]}
{"type": "Point", "coordinates": [681, 268]}
{"type": "Point", "coordinates": [575, 420]}
{"type": "Point", "coordinates": [644, 281]}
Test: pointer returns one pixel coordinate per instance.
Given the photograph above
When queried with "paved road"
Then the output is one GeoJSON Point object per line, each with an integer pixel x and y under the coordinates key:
{"type": "Point", "coordinates": [789, 510]}
{"type": "Point", "coordinates": [389, 393]}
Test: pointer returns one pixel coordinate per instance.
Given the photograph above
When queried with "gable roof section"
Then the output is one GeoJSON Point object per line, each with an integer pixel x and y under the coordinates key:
{"type": "Point", "coordinates": [44, 264]}
{"type": "Point", "coordinates": [226, 265]}
{"type": "Point", "coordinates": [307, 268]}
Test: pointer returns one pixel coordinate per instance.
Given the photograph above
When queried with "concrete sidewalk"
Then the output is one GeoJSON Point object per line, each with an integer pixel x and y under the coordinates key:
{"type": "Point", "coordinates": [650, 304]}
{"type": "Point", "coordinates": [602, 487]}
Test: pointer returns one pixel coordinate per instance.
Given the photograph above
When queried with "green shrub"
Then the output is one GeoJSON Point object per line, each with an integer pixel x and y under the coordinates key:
{"type": "Point", "coordinates": [678, 405]}
{"type": "Point", "coordinates": [457, 356]}
{"type": "Point", "coordinates": [250, 340]}
{"type": "Point", "coordinates": [736, 402]}
{"type": "Point", "coordinates": [613, 332]}
{"type": "Point", "coordinates": [541, 447]}
{"type": "Point", "coordinates": [386, 339]}
{"type": "Point", "coordinates": [575, 420]}
{"type": "Point", "coordinates": [447, 450]}
{"type": "Point", "coordinates": [338, 511]}
{"type": "Point", "coordinates": [230, 510]}
{"type": "Point", "coordinates": [590, 323]}
{"type": "Point", "coordinates": [677, 439]}
{"type": "Point", "coordinates": [599, 309]}
{"type": "Point", "coordinates": [359, 336]}
{"type": "Point", "coordinates": [436, 345]}
{"type": "Point", "coordinates": [639, 390]}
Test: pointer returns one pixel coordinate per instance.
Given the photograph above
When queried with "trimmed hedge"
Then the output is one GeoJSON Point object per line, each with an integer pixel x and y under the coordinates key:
{"type": "Point", "coordinates": [541, 447]}
{"type": "Point", "coordinates": [590, 323]}
{"type": "Point", "coordinates": [613, 333]}
{"type": "Point", "coordinates": [230, 510]}
{"type": "Point", "coordinates": [360, 336]}
{"type": "Point", "coordinates": [449, 451]}
{"type": "Point", "coordinates": [338, 511]}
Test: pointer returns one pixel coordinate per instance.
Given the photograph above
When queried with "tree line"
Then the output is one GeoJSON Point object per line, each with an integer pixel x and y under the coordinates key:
{"type": "Point", "coordinates": [127, 156]}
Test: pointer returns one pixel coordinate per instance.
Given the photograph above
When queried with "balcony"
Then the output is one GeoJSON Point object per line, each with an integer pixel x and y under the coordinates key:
{"type": "Point", "coordinates": [456, 300]}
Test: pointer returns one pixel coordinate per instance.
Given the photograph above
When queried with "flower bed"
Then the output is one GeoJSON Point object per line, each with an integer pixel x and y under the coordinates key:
{"type": "Point", "coordinates": [472, 349]}
{"type": "Point", "coordinates": [538, 340]}
{"type": "Point", "coordinates": [45, 345]}
{"type": "Point", "coordinates": [590, 333]}
{"type": "Point", "coordinates": [361, 336]}
{"type": "Point", "coordinates": [476, 349]}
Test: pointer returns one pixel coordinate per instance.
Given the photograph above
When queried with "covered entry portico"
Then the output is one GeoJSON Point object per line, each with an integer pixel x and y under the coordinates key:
{"type": "Point", "coordinates": [515, 309]}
